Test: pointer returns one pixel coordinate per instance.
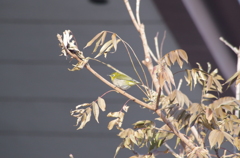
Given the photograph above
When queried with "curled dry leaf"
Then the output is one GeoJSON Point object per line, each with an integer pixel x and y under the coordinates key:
{"type": "Point", "coordinates": [104, 47]}
{"type": "Point", "coordinates": [94, 39]}
{"type": "Point", "coordinates": [125, 108]}
{"type": "Point", "coordinates": [113, 114]}
{"type": "Point", "coordinates": [112, 123]}
{"type": "Point", "coordinates": [233, 78]}
{"type": "Point", "coordinates": [82, 105]}
{"type": "Point", "coordinates": [83, 121]}
{"type": "Point", "coordinates": [209, 115]}
{"type": "Point", "coordinates": [114, 41]}
{"type": "Point", "coordinates": [68, 44]}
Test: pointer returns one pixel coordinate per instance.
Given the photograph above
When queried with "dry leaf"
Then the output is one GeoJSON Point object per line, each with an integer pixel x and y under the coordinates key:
{"type": "Point", "coordinates": [101, 103]}
{"type": "Point", "coordinates": [113, 114]}
{"type": "Point", "coordinates": [112, 123]}
{"type": "Point", "coordinates": [93, 39]}
{"type": "Point", "coordinates": [95, 110]}
{"type": "Point", "coordinates": [125, 108]}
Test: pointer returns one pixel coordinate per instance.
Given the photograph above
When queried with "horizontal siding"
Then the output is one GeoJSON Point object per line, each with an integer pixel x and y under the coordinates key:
{"type": "Point", "coordinates": [38, 92]}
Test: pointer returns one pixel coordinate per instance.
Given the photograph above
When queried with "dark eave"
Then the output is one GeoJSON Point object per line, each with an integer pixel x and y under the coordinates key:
{"type": "Point", "coordinates": [178, 20]}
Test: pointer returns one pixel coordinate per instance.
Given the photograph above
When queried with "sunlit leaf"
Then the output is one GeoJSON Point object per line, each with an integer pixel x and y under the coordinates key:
{"type": "Point", "coordinates": [222, 101]}
{"type": "Point", "coordinates": [125, 108]}
{"type": "Point", "coordinates": [215, 137]}
{"type": "Point", "coordinates": [104, 47]}
{"type": "Point", "coordinates": [83, 121]}
{"type": "Point", "coordinates": [183, 55]}
{"type": "Point", "coordinates": [133, 139]}
{"type": "Point", "coordinates": [93, 39]}
{"type": "Point", "coordinates": [95, 110]}
{"type": "Point", "coordinates": [208, 95]}
{"type": "Point", "coordinates": [228, 137]}
{"type": "Point", "coordinates": [209, 83]}
{"type": "Point", "coordinates": [97, 44]}
{"type": "Point", "coordinates": [114, 41]}
{"type": "Point", "coordinates": [233, 78]}
{"type": "Point", "coordinates": [103, 37]}
{"type": "Point", "coordinates": [209, 67]}
{"type": "Point", "coordinates": [101, 103]}
{"type": "Point", "coordinates": [173, 56]}
{"type": "Point", "coordinates": [236, 142]}
{"type": "Point", "coordinates": [78, 120]}
{"type": "Point", "coordinates": [88, 112]}
{"type": "Point", "coordinates": [113, 114]}
{"type": "Point", "coordinates": [112, 123]}
{"type": "Point", "coordinates": [118, 148]}
{"type": "Point", "coordinates": [84, 104]}
{"type": "Point", "coordinates": [177, 142]}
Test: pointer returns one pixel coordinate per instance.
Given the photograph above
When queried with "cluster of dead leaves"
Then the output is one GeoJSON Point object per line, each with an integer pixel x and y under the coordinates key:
{"type": "Point", "coordinates": [83, 112]}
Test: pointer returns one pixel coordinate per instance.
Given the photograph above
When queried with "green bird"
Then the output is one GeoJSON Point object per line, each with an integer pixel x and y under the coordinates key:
{"type": "Point", "coordinates": [122, 81]}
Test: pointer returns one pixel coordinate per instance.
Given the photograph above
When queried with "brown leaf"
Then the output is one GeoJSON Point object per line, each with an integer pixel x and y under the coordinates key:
{"type": "Point", "coordinates": [183, 55]}
{"type": "Point", "coordinates": [93, 39]}
{"type": "Point", "coordinates": [222, 101]}
{"type": "Point", "coordinates": [233, 78]}
{"type": "Point", "coordinates": [103, 37]}
{"type": "Point", "coordinates": [114, 41]}
{"type": "Point", "coordinates": [167, 60]}
{"type": "Point", "coordinates": [173, 56]}
{"type": "Point", "coordinates": [104, 47]}
{"type": "Point", "coordinates": [180, 62]}
{"type": "Point", "coordinates": [209, 83]}
{"type": "Point", "coordinates": [209, 115]}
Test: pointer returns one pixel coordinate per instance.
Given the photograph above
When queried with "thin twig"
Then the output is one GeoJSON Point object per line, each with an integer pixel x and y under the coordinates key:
{"type": "Point", "coordinates": [156, 45]}
{"type": "Point", "coordinates": [147, 61]}
{"type": "Point", "coordinates": [137, 12]}
{"type": "Point", "coordinates": [131, 14]}
{"type": "Point", "coordinates": [161, 49]}
{"type": "Point", "coordinates": [234, 49]}
{"type": "Point", "coordinates": [171, 150]}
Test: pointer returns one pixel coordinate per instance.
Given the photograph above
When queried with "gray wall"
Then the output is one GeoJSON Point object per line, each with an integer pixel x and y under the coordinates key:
{"type": "Point", "coordinates": [38, 92]}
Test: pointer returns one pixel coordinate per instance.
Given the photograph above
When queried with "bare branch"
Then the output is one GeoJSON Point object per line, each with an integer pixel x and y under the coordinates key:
{"type": "Point", "coordinates": [237, 51]}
